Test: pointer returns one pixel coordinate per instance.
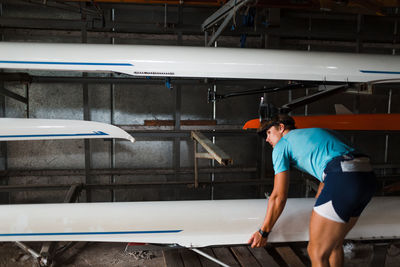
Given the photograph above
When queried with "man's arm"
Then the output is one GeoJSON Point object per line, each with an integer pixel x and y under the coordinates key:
{"type": "Point", "coordinates": [276, 203]}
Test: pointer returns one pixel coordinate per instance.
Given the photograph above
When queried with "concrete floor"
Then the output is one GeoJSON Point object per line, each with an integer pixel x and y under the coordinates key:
{"type": "Point", "coordinates": [114, 254]}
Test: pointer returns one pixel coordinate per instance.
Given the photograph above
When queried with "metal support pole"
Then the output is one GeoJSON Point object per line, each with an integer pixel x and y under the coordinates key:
{"type": "Point", "coordinates": [209, 257]}
{"type": "Point", "coordinates": [27, 98]}
{"type": "Point", "coordinates": [112, 108]}
{"type": "Point", "coordinates": [263, 156]}
{"type": "Point", "coordinates": [113, 142]}
{"type": "Point", "coordinates": [165, 16]}
{"type": "Point", "coordinates": [177, 114]}
{"type": "Point", "coordinates": [180, 23]}
{"type": "Point", "coordinates": [214, 117]}
{"type": "Point", "coordinates": [86, 114]}
{"type": "Point", "coordinates": [177, 126]}
{"type": "Point", "coordinates": [387, 136]}
{"type": "Point", "coordinates": [4, 197]}
{"type": "Point", "coordinates": [395, 31]}
{"type": "Point", "coordinates": [309, 32]}
{"type": "Point", "coordinates": [390, 93]}
{"type": "Point", "coordinates": [196, 173]}
{"type": "Point", "coordinates": [274, 20]}
{"type": "Point", "coordinates": [359, 28]}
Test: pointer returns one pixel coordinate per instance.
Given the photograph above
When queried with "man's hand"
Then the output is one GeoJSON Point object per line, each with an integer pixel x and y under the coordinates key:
{"type": "Point", "coordinates": [256, 241]}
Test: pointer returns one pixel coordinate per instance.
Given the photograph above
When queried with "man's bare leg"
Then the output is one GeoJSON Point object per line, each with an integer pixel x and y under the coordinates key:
{"type": "Point", "coordinates": [337, 256]}
{"type": "Point", "coordinates": [325, 237]}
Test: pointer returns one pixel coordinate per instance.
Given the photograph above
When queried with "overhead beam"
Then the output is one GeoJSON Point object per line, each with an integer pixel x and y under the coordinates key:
{"type": "Point", "coordinates": [136, 185]}
{"type": "Point", "coordinates": [153, 31]}
{"type": "Point", "coordinates": [113, 171]}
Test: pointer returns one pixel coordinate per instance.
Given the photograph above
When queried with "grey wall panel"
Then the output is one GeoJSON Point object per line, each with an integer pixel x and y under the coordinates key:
{"type": "Point", "coordinates": [194, 103]}
{"type": "Point", "coordinates": [49, 154]}
{"type": "Point", "coordinates": [136, 103]}
{"type": "Point", "coordinates": [144, 154]}
{"type": "Point", "coordinates": [56, 196]}
{"type": "Point", "coordinates": [100, 153]}
{"type": "Point", "coordinates": [56, 101]}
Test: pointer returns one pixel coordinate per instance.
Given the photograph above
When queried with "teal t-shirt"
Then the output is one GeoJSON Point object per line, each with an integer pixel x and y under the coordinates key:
{"type": "Point", "coordinates": [308, 150]}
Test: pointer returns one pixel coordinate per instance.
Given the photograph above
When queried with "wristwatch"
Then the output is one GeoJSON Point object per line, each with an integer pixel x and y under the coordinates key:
{"type": "Point", "coordinates": [263, 234]}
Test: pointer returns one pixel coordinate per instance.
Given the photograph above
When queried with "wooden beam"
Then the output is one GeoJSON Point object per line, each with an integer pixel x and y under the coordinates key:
{"type": "Point", "coordinates": [379, 257]}
{"type": "Point", "coordinates": [223, 254]}
{"type": "Point", "coordinates": [190, 258]}
{"type": "Point", "coordinates": [263, 257]}
{"type": "Point", "coordinates": [172, 258]}
{"type": "Point", "coordinates": [290, 257]}
{"type": "Point", "coordinates": [206, 262]}
{"type": "Point", "coordinates": [244, 256]}
{"type": "Point", "coordinates": [203, 156]}
{"type": "Point", "coordinates": [216, 153]}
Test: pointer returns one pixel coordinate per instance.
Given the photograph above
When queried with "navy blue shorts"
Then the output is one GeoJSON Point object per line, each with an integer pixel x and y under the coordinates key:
{"type": "Point", "coordinates": [349, 185]}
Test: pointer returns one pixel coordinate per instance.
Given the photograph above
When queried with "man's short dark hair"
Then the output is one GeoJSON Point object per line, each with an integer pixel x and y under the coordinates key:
{"type": "Point", "coordinates": [276, 121]}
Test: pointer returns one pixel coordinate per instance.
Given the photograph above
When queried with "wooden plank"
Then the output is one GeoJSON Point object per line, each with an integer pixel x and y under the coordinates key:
{"type": "Point", "coordinates": [290, 257]}
{"type": "Point", "coordinates": [244, 256]}
{"type": "Point", "coordinates": [190, 258]}
{"type": "Point", "coordinates": [379, 258]}
{"type": "Point", "coordinates": [263, 257]}
{"type": "Point", "coordinates": [203, 156]}
{"type": "Point", "coordinates": [300, 249]}
{"type": "Point", "coordinates": [172, 258]}
{"type": "Point", "coordinates": [206, 262]}
{"type": "Point", "coordinates": [225, 255]}
{"type": "Point", "coordinates": [217, 153]}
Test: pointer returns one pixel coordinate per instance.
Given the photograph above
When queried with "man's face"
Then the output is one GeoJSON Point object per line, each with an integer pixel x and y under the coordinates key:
{"type": "Point", "coordinates": [274, 134]}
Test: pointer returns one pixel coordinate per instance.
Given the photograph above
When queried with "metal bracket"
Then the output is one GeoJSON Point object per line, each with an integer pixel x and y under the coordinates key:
{"type": "Point", "coordinates": [226, 11]}
{"type": "Point", "coordinates": [41, 261]}
{"type": "Point", "coordinates": [73, 193]}
{"type": "Point", "coordinates": [213, 152]}
{"type": "Point", "coordinates": [209, 257]}
{"type": "Point", "coordinates": [212, 96]}
{"type": "Point", "coordinates": [334, 89]}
